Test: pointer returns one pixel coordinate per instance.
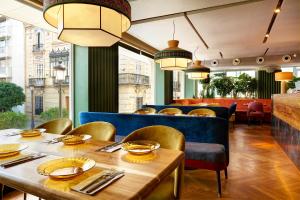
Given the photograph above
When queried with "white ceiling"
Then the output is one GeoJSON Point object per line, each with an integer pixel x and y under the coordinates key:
{"type": "Point", "coordinates": [236, 31]}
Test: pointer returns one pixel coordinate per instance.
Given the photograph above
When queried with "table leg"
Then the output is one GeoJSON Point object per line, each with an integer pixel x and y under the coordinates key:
{"type": "Point", "coordinates": [179, 181]}
{"type": "Point", "coordinates": [1, 191]}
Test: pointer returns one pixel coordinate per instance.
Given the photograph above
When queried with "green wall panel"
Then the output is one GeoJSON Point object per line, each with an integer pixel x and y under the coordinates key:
{"type": "Point", "coordinates": [159, 85]}
{"type": "Point", "coordinates": [80, 83]}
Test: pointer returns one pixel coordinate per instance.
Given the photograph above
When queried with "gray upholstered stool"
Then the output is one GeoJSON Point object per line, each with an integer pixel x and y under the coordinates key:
{"type": "Point", "coordinates": [206, 156]}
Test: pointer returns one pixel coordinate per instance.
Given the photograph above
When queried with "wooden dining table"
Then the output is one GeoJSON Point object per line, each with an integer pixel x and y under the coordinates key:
{"type": "Point", "coordinates": [142, 174]}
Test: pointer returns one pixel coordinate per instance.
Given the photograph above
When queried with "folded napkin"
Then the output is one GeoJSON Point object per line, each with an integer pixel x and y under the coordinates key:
{"type": "Point", "coordinates": [21, 159]}
{"type": "Point", "coordinates": [97, 182]}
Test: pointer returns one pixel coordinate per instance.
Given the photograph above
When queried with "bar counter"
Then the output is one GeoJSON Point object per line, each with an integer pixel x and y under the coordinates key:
{"type": "Point", "coordinates": [286, 124]}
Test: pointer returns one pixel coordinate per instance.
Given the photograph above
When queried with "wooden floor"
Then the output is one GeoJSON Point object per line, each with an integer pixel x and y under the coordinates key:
{"type": "Point", "coordinates": [258, 169]}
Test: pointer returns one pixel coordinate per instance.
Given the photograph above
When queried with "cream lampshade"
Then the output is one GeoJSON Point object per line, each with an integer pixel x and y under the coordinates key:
{"type": "Point", "coordinates": [197, 71]}
{"type": "Point", "coordinates": [173, 57]}
{"type": "Point", "coordinates": [88, 22]}
{"type": "Point", "coordinates": [283, 77]}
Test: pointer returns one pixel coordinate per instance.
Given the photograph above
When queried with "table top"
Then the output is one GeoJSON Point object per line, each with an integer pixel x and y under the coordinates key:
{"type": "Point", "coordinates": [141, 176]}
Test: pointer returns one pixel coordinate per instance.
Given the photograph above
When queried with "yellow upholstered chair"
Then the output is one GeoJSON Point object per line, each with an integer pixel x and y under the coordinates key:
{"type": "Point", "coordinates": [145, 111]}
{"type": "Point", "coordinates": [205, 112]}
{"type": "Point", "coordinates": [170, 111]}
{"type": "Point", "coordinates": [57, 126]}
{"type": "Point", "coordinates": [103, 131]}
{"type": "Point", "coordinates": [169, 138]}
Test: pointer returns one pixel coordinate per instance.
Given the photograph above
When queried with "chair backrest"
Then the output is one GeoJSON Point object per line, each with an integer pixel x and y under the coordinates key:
{"type": "Point", "coordinates": [145, 111]}
{"type": "Point", "coordinates": [103, 131]}
{"type": "Point", "coordinates": [170, 111]}
{"type": "Point", "coordinates": [232, 108]}
{"type": "Point", "coordinates": [57, 126]}
{"type": "Point", "coordinates": [203, 112]}
{"type": "Point", "coordinates": [167, 137]}
{"type": "Point", "coordinates": [255, 106]}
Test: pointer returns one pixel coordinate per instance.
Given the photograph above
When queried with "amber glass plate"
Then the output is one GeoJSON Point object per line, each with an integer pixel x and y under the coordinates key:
{"type": "Point", "coordinates": [140, 147]}
{"type": "Point", "coordinates": [65, 168]}
{"type": "Point", "coordinates": [11, 149]}
{"type": "Point", "coordinates": [31, 133]}
{"type": "Point", "coordinates": [75, 139]}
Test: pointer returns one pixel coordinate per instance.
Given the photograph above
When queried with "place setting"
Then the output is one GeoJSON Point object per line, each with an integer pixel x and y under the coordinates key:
{"type": "Point", "coordinates": [72, 173]}
{"type": "Point", "coordinates": [26, 133]}
{"type": "Point", "coordinates": [10, 155]}
{"type": "Point", "coordinates": [69, 139]}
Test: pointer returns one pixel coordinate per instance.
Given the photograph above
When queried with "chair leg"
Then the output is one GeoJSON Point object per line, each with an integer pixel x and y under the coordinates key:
{"type": "Point", "coordinates": [219, 183]}
{"type": "Point", "coordinates": [1, 191]}
{"type": "Point", "coordinates": [25, 196]}
{"type": "Point", "coordinates": [226, 174]}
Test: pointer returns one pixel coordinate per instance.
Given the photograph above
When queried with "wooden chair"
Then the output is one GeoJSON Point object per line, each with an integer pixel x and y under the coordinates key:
{"type": "Point", "coordinates": [205, 112]}
{"type": "Point", "coordinates": [169, 138]}
{"type": "Point", "coordinates": [170, 111]}
{"type": "Point", "coordinates": [103, 131]}
{"type": "Point", "coordinates": [58, 126]}
{"type": "Point", "coordinates": [145, 111]}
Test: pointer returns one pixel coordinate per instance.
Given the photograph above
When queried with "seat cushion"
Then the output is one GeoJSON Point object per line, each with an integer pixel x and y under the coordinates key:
{"type": "Point", "coordinates": [256, 114]}
{"type": "Point", "coordinates": [205, 155]}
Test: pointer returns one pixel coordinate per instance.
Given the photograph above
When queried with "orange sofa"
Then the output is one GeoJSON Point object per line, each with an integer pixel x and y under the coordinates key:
{"type": "Point", "coordinates": [242, 105]}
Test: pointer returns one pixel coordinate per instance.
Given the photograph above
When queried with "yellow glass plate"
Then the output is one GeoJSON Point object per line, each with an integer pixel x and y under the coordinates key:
{"type": "Point", "coordinates": [65, 168]}
{"type": "Point", "coordinates": [75, 139]}
{"type": "Point", "coordinates": [30, 133]}
{"type": "Point", "coordinates": [140, 147]}
{"type": "Point", "coordinates": [11, 149]}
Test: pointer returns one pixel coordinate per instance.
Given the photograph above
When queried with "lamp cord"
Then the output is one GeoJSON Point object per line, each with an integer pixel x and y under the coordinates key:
{"type": "Point", "coordinates": [173, 29]}
{"type": "Point", "coordinates": [195, 55]}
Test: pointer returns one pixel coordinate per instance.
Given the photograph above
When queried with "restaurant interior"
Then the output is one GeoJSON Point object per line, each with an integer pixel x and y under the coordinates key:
{"type": "Point", "coordinates": [210, 111]}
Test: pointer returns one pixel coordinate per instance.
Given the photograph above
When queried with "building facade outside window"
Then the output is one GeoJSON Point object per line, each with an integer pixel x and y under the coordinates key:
{"type": "Point", "coordinates": [136, 81]}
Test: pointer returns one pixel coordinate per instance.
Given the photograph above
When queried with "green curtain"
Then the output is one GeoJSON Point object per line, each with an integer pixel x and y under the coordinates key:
{"type": "Point", "coordinates": [189, 87]}
{"type": "Point", "coordinates": [168, 87]}
{"type": "Point", "coordinates": [103, 79]}
{"type": "Point", "coordinates": [267, 85]}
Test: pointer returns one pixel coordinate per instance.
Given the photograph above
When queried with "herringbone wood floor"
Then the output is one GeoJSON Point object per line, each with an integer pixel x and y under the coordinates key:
{"type": "Point", "coordinates": [258, 169]}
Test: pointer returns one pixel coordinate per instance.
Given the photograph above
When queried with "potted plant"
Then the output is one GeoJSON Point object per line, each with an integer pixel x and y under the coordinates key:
{"type": "Point", "coordinates": [223, 84]}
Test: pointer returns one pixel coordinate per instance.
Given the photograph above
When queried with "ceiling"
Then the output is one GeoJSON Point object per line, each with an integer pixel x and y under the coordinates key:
{"type": "Point", "coordinates": [236, 28]}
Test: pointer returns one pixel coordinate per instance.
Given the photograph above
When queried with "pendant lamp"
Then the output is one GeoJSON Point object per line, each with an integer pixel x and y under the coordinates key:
{"type": "Point", "coordinates": [88, 22]}
{"type": "Point", "coordinates": [197, 71]}
{"type": "Point", "coordinates": [173, 58]}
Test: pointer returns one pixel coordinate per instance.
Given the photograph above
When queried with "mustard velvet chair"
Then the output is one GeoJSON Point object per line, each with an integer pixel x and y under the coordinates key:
{"type": "Point", "coordinates": [168, 138]}
{"type": "Point", "coordinates": [103, 131]}
{"type": "Point", "coordinates": [145, 111]}
{"type": "Point", "coordinates": [170, 111]}
{"type": "Point", "coordinates": [58, 126]}
{"type": "Point", "coordinates": [205, 112]}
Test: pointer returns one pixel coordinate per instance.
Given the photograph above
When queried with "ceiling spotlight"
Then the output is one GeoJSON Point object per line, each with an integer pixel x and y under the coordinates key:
{"type": "Point", "coordinates": [294, 55]}
{"type": "Point", "coordinates": [277, 10]}
{"type": "Point", "coordinates": [267, 35]}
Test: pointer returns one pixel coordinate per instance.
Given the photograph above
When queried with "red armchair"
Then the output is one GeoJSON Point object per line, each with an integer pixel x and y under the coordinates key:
{"type": "Point", "coordinates": [255, 111]}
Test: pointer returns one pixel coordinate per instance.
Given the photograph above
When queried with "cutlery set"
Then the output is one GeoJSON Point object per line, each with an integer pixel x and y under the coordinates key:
{"type": "Point", "coordinates": [22, 160]}
{"type": "Point", "coordinates": [110, 148]}
{"type": "Point", "coordinates": [97, 182]}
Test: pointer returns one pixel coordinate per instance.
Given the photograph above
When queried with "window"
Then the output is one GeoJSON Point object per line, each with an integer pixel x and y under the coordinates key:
{"type": "Point", "coordinates": [178, 84]}
{"type": "Point", "coordinates": [139, 102]}
{"type": "Point", "coordinates": [2, 47]}
{"type": "Point", "coordinates": [136, 80]}
{"type": "Point", "coordinates": [39, 71]}
{"type": "Point", "coordinates": [38, 105]}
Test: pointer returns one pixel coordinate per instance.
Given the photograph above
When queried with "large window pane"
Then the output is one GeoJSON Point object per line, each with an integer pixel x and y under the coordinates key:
{"type": "Point", "coordinates": [28, 58]}
{"type": "Point", "coordinates": [136, 81]}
